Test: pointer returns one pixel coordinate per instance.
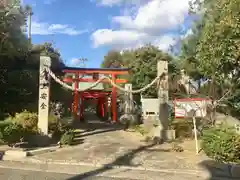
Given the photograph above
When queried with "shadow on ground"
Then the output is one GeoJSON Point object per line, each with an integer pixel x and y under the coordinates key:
{"type": "Point", "coordinates": [124, 160]}
{"type": "Point", "coordinates": [219, 170]}
{"type": "Point", "coordinates": [92, 126]}
{"type": "Point", "coordinates": [216, 171]}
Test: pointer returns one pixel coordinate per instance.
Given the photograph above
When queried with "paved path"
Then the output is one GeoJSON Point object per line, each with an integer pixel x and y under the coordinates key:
{"type": "Point", "coordinates": [27, 171]}
{"type": "Point", "coordinates": [107, 144]}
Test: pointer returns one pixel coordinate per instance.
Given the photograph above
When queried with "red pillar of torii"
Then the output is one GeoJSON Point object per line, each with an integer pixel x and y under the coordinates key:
{"type": "Point", "coordinates": [97, 94]}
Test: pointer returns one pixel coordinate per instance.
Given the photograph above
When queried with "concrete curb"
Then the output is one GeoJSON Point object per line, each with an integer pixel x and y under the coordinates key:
{"type": "Point", "coordinates": [42, 150]}
{"type": "Point", "coordinates": [19, 153]}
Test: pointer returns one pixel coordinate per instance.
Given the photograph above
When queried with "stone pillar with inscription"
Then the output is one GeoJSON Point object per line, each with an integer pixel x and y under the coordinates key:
{"type": "Point", "coordinates": [162, 67]}
{"type": "Point", "coordinates": [43, 101]}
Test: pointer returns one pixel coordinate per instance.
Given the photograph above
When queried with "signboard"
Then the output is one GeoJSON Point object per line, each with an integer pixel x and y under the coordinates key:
{"type": "Point", "coordinates": [183, 107]}
{"type": "Point", "coordinates": [44, 86]}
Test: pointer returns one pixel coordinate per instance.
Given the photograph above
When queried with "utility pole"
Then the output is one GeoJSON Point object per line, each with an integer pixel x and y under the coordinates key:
{"type": "Point", "coordinates": [83, 62]}
{"type": "Point", "coordinates": [29, 14]}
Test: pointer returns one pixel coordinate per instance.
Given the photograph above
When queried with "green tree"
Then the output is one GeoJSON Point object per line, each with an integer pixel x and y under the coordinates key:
{"type": "Point", "coordinates": [187, 56]}
{"type": "Point", "coordinates": [212, 51]}
{"type": "Point", "coordinates": [13, 50]}
{"type": "Point", "coordinates": [19, 64]}
{"type": "Point", "coordinates": [113, 59]}
{"type": "Point", "coordinates": [218, 50]}
{"type": "Point", "coordinates": [143, 66]}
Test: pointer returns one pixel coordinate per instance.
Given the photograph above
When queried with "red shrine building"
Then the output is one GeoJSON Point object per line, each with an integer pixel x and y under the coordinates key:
{"type": "Point", "coordinates": [82, 78]}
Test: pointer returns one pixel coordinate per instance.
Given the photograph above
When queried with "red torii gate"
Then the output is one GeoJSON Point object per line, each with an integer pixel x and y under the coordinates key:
{"type": "Point", "coordinates": [100, 95]}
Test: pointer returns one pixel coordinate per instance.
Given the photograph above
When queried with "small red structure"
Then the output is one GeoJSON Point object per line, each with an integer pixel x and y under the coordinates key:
{"type": "Point", "coordinates": [92, 75]}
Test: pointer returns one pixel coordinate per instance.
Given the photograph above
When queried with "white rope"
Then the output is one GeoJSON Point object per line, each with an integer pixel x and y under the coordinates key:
{"type": "Point", "coordinates": [59, 81]}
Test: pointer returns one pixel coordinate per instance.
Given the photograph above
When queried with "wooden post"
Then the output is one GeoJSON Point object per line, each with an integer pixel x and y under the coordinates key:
{"type": "Point", "coordinates": [81, 107]}
{"type": "Point", "coordinates": [76, 99]}
{"type": "Point", "coordinates": [106, 108]}
{"type": "Point", "coordinates": [109, 109]}
{"type": "Point", "coordinates": [162, 67]}
{"type": "Point", "coordinates": [98, 107]}
{"type": "Point", "coordinates": [44, 88]}
{"type": "Point", "coordinates": [102, 107]}
{"type": "Point", "coordinates": [114, 100]}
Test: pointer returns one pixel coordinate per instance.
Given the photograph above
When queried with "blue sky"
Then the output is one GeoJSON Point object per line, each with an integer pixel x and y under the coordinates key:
{"type": "Point", "coordinates": [89, 28]}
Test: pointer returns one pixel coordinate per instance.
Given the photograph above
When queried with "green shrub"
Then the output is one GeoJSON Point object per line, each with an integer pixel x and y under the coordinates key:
{"type": "Point", "coordinates": [9, 119]}
{"type": "Point", "coordinates": [56, 124]}
{"type": "Point", "coordinates": [54, 127]}
{"type": "Point", "coordinates": [4, 124]}
{"type": "Point", "coordinates": [12, 133]}
{"type": "Point", "coordinates": [222, 144]}
{"type": "Point", "coordinates": [1, 138]}
{"type": "Point", "coordinates": [67, 138]}
{"type": "Point", "coordinates": [27, 120]}
{"type": "Point", "coordinates": [183, 128]}
{"type": "Point", "coordinates": [140, 129]}
{"type": "Point", "coordinates": [53, 124]}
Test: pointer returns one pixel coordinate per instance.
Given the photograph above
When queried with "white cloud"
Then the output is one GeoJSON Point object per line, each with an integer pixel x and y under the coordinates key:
{"type": "Point", "coordinates": [148, 23]}
{"type": "Point", "coordinates": [124, 39]}
{"type": "Point", "coordinates": [164, 42]}
{"type": "Point", "coordinates": [156, 15]}
{"type": "Point", "coordinates": [188, 33]}
{"type": "Point", "coordinates": [75, 62]}
{"type": "Point", "coordinates": [117, 38]}
{"type": "Point", "coordinates": [39, 28]}
{"type": "Point", "coordinates": [78, 62]}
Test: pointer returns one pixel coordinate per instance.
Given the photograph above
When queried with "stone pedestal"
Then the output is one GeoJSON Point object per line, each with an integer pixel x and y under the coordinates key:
{"type": "Point", "coordinates": [155, 130]}
{"type": "Point", "coordinates": [235, 171]}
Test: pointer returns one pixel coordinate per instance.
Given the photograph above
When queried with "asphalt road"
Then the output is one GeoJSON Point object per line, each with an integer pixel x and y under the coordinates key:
{"type": "Point", "coordinates": [15, 174]}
